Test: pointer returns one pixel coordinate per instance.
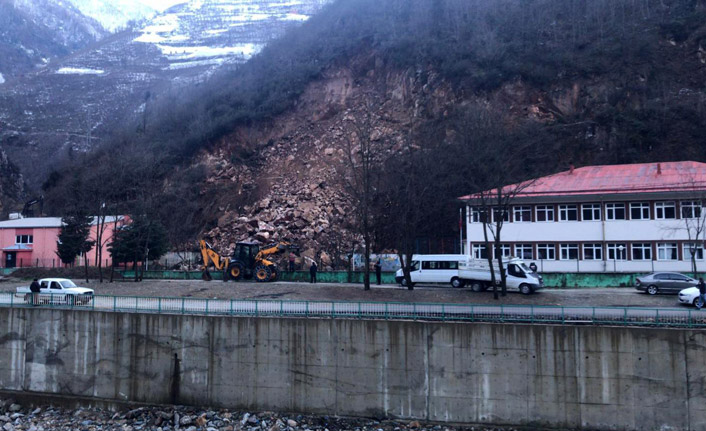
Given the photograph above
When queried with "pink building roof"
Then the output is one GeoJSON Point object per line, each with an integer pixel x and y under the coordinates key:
{"type": "Point", "coordinates": [617, 179]}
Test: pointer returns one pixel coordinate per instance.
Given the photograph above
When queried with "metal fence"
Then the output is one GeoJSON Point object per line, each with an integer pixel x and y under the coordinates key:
{"type": "Point", "coordinates": [631, 316]}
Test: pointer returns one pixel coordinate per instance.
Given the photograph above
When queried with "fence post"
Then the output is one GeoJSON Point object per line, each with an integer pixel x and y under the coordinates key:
{"type": "Point", "coordinates": [231, 307]}
{"type": "Point", "coordinates": [386, 310]}
{"type": "Point", "coordinates": [360, 311]}
{"type": "Point", "coordinates": [182, 305]}
{"type": "Point", "coordinates": [159, 305]}
{"type": "Point", "coordinates": [115, 303]}
{"type": "Point", "coordinates": [207, 306]}
{"type": "Point", "coordinates": [657, 317]}
{"type": "Point", "coordinates": [256, 308]}
{"type": "Point", "coordinates": [443, 313]}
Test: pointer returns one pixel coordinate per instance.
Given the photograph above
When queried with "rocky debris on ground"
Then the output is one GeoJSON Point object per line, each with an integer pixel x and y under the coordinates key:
{"type": "Point", "coordinates": [293, 184]}
{"type": "Point", "coordinates": [14, 417]}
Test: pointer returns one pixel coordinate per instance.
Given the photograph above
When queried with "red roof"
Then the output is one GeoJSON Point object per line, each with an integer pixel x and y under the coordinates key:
{"type": "Point", "coordinates": [617, 179]}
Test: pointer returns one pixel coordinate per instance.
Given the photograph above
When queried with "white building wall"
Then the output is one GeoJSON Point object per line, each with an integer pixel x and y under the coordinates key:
{"type": "Point", "coordinates": [608, 231]}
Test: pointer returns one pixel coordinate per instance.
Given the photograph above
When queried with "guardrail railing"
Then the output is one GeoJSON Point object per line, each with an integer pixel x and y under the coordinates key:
{"type": "Point", "coordinates": [633, 316]}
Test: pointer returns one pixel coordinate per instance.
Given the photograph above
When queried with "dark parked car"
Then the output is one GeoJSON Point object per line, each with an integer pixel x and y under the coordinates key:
{"type": "Point", "coordinates": [664, 282]}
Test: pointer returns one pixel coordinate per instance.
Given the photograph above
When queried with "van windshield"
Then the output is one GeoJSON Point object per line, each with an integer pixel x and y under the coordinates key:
{"type": "Point", "coordinates": [526, 268]}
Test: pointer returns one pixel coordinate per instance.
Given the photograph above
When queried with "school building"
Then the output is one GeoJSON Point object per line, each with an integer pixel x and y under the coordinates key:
{"type": "Point", "coordinates": [613, 218]}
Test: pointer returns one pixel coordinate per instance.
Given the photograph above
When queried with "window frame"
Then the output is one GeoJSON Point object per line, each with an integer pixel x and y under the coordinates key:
{"type": "Point", "coordinates": [667, 246]}
{"type": "Point", "coordinates": [593, 246]}
{"type": "Point", "coordinates": [614, 247]}
{"type": "Point", "coordinates": [565, 209]}
{"type": "Point", "coordinates": [695, 207]}
{"type": "Point", "coordinates": [523, 247]}
{"type": "Point", "coordinates": [613, 207]}
{"type": "Point", "coordinates": [662, 207]}
{"type": "Point", "coordinates": [28, 237]}
{"type": "Point", "coordinates": [479, 251]}
{"type": "Point", "coordinates": [642, 247]}
{"type": "Point", "coordinates": [520, 210]}
{"type": "Point", "coordinates": [546, 247]}
{"type": "Point", "coordinates": [686, 251]}
{"type": "Point", "coordinates": [546, 210]}
{"type": "Point", "coordinates": [642, 207]}
{"type": "Point", "coordinates": [594, 209]}
{"type": "Point", "coordinates": [568, 248]}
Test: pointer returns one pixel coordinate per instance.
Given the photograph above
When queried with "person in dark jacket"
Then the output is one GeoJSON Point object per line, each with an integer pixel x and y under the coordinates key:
{"type": "Point", "coordinates": [702, 294]}
{"type": "Point", "coordinates": [312, 272]}
{"type": "Point", "coordinates": [378, 270]}
{"type": "Point", "coordinates": [34, 288]}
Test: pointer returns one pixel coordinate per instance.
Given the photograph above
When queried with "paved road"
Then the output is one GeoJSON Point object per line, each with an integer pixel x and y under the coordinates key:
{"type": "Point", "coordinates": [569, 314]}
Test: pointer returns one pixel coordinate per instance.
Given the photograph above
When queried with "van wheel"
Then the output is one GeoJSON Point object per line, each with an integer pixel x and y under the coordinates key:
{"type": "Point", "coordinates": [457, 283]}
{"type": "Point", "coordinates": [526, 289]}
{"type": "Point", "coordinates": [477, 286]}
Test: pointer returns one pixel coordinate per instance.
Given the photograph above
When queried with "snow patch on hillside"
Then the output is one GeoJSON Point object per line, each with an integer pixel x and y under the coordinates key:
{"type": "Point", "coordinates": [2, 79]}
{"type": "Point", "coordinates": [191, 52]}
{"type": "Point", "coordinates": [79, 71]}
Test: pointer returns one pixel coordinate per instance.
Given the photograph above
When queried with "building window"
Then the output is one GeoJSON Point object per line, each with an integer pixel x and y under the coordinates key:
{"type": "Point", "coordinates": [591, 212]}
{"type": "Point", "coordinates": [642, 251]}
{"type": "Point", "coordinates": [617, 251]}
{"type": "Point", "coordinates": [545, 213]}
{"type": "Point", "coordinates": [505, 249]}
{"type": "Point", "coordinates": [640, 211]}
{"type": "Point", "coordinates": [546, 251]}
{"type": "Point", "coordinates": [568, 213]}
{"type": "Point", "coordinates": [667, 251]}
{"type": "Point", "coordinates": [665, 210]}
{"type": "Point", "coordinates": [593, 251]}
{"type": "Point", "coordinates": [501, 212]}
{"type": "Point", "coordinates": [479, 251]}
{"type": "Point", "coordinates": [522, 214]}
{"type": "Point", "coordinates": [568, 251]}
{"type": "Point", "coordinates": [615, 211]}
{"type": "Point", "coordinates": [24, 239]}
{"type": "Point", "coordinates": [477, 215]}
{"type": "Point", "coordinates": [691, 209]}
{"type": "Point", "coordinates": [524, 251]}
{"type": "Point", "coordinates": [695, 249]}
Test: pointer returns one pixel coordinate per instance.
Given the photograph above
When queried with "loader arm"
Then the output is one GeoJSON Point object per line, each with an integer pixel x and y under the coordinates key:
{"type": "Point", "coordinates": [210, 257]}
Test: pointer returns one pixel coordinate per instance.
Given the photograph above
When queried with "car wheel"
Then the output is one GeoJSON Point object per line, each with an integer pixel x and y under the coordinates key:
{"type": "Point", "coordinates": [526, 289]}
{"type": "Point", "coordinates": [457, 283]}
{"type": "Point", "coordinates": [477, 286]}
{"type": "Point", "coordinates": [695, 302]}
{"type": "Point", "coordinates": [652, 289]}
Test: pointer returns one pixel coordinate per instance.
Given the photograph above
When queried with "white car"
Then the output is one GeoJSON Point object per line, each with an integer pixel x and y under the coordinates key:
{"type": "Point", "coordinates": [58, 291]}
{"type": "Point", "coordinates": [689, 295]}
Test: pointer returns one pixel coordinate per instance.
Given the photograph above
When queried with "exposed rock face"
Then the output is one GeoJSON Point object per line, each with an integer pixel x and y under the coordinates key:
{"type": "Point", "coordinates": [295, 190]}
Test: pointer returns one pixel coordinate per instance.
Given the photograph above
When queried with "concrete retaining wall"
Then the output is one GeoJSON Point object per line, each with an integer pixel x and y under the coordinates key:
{"type": "Point", "coordinates": [574, 376]}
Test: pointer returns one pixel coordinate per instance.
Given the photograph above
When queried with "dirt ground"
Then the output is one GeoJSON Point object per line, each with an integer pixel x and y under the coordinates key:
{"type": "Point", "coordinates": [608, 296]}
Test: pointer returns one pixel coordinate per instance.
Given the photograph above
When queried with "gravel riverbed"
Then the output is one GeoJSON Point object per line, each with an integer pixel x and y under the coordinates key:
{"type": "Point", "coordinates": [16, 417]}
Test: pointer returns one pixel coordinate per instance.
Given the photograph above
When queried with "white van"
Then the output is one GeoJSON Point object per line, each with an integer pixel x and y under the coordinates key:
{"type": "Point", "coordinates": [433, 268]}
{"type": "Point", "coordinates": [476, 273]}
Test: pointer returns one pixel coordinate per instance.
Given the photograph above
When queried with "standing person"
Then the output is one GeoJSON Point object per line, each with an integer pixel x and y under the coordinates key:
{"type": "Point", "coordinates": [312, 271]}
{"type": "Point", "coordinates": [702, 294]}
{"type": "Point", "coordinates": [34, 288]}
{"type": "Point", "coordinates": [378, 270]}
{"type": "Point", "coordinates": [292, 258]}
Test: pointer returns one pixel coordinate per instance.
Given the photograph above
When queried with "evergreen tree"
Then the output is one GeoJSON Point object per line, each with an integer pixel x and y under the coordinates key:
{"type": "Point", "coordinates": [73, 239]}
{"type": "Point", "coordinates": [141, 240]}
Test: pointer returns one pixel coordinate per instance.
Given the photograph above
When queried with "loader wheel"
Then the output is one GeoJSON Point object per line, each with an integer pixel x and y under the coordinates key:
{"type": "Point", "coordinates": [235, 271]}
{"type": "Point", "coordinates": [262, 273]}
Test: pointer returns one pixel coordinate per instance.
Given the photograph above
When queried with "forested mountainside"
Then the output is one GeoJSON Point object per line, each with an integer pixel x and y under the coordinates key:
{"type": "Point", "coordinates": [448, 88]}
{"type": "Point", "coordinates": [68, 107]}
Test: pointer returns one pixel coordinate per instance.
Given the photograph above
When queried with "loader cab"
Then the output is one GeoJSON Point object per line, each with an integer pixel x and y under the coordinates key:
{"type": "Point", "coordinates": [245, 252]}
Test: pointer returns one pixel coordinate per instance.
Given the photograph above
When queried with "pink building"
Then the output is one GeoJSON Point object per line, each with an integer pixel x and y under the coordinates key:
{"type": "Point", "coordinates": [32, 241]}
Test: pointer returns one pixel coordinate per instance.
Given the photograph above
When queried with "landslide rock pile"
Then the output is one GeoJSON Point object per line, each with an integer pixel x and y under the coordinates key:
{"type": "Point", "coordinates": [294, 187]}
{"type": "Point", "coordinates": [15, 417]}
